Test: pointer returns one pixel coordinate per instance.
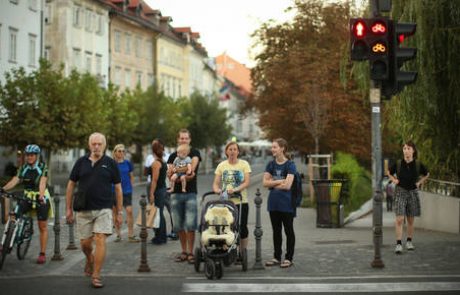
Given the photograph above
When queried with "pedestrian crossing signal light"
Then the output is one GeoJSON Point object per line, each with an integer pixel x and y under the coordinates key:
{"type": "Point", "coordinates": [369, 41]}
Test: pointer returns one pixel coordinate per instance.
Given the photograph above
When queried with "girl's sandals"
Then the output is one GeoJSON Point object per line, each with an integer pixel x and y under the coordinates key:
{"type": "Point", "coordinates": [181, 257]}
{"type": "Point", "coordinates": [97, 283]}
{"type": "Point", "coordinates": [286, 263]}
{"type": "Point", "coordinates": [191, 258]}
{"type": "Point", "coordinates": [272, 262]}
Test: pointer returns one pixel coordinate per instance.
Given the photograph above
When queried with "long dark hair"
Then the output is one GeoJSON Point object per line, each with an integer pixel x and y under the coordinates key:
{"type": "Point", "coordinates": [412, 145]}
{"type": "Point", "coordinates": [158, 148]}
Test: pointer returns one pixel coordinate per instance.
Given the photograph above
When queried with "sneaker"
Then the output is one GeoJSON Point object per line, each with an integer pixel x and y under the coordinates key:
{"type": "Point", "coordinates": [118, 239]}
{"type": "Point", "coordinates": [398, 249]}
{"type": "Point", "coordinates": [41, 258]}
{"type": "Point", "coordinates": [157, 241]}
{"type": "Point", "coordinates": [133, 239]}
{"type": "Point", "coordinates": [173, 236]}
{"type": "Point", "coordinates": [410, 246]}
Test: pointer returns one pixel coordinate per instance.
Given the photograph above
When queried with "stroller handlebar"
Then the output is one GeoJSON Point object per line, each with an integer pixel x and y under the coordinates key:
{"type": "Point", "coordinates": [223, 195]}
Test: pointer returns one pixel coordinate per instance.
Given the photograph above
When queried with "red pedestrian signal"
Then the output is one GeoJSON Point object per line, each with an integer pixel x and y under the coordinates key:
{"type": "Point", "coordinates": [359, 29]}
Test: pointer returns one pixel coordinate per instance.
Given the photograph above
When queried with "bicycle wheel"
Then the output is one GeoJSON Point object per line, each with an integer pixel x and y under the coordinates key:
{"type": "Point", "coordinates": [24, 238]}
{"type": "Point", "coordinates": [6, 244]}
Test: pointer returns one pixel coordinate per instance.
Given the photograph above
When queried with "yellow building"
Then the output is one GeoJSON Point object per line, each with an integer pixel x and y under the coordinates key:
{"type": "Point", "coordinates": [132, 36]}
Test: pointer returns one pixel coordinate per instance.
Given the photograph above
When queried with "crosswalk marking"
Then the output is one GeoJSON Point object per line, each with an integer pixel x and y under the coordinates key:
{"type": "Point", "coordinates": [320, 287]}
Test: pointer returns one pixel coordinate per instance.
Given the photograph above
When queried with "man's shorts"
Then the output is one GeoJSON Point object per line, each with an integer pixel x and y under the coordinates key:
{"type": "Point", "coordinates": [406, 203]}
{"type": "Point", "coordinates": [94, 222]}
{"type": "Point", "coordinates": [184, 211]}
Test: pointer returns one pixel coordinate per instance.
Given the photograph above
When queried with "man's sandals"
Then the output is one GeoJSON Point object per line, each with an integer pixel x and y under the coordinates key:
{"type": "Point", "coordinates": [96, 283]}
{"type": "Point", "coordinates": [184, 256]}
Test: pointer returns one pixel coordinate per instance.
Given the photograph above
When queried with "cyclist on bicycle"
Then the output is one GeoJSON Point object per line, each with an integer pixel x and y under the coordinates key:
{"type": "Point", "coordinates": [34, 175]}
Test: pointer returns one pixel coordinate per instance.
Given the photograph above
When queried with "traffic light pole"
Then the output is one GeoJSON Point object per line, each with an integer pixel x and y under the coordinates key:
{"type": "Point", "coordinates": [377, 217]}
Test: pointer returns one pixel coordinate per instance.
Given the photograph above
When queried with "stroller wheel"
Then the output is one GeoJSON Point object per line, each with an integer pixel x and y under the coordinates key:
{"type": "Point", "coordinates": [219, 270]}
{"type": "Point", "coordinates": [198, 258]}
{"type": "Point", "coordinates": [210, 269]}
{"type": "Point", "coordinates": [244, 259]}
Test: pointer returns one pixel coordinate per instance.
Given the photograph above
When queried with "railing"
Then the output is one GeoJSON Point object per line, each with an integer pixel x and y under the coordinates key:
{"type": "Point", "coordinates": [440, 187]}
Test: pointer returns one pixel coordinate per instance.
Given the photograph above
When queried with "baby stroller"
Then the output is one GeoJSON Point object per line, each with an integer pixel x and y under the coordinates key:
{"type": "Point", "coordinates": [219, 237]}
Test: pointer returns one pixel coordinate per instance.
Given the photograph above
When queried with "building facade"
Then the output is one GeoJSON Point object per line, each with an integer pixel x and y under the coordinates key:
{"type": "Point", "coordinates": [20, 35]}
{"type": "Point", "coordinates": [77, 36]}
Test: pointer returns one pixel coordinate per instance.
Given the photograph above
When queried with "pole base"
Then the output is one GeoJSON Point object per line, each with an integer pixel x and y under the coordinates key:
{"type": "Point", "coordinates": [143, 268]}
{"type": "Point", "coordinates": [71, 247]}
{"type": "Point", "coordinates": [377, 263]}
{"type": "Point", "coordinates": [258, 265]}
{"type": "Point", "coordinates": [57, 257]}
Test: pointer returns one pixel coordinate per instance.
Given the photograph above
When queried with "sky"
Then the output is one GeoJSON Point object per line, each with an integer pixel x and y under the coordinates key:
{"type": "Point", "coordinates": [224, 25]}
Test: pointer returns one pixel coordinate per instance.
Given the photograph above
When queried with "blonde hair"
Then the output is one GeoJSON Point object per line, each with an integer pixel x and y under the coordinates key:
{"type": "Point", "coordinates": [183, 148]}
{"type": "Point", "coordinates": [118, 147]}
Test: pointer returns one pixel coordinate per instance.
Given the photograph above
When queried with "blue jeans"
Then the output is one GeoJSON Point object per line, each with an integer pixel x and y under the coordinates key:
{"type": "Point", "coordinates": [160, 199]}
{"type": "Point", "coordinates": [184, 211]}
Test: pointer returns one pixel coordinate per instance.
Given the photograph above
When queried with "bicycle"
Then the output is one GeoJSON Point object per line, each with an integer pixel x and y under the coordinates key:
{"type": "Point", "coordinates": [18, 230]}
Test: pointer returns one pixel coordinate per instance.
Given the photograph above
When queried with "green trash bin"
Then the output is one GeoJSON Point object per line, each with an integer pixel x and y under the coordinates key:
{"type": "Point", "coordinates": [329, 202]}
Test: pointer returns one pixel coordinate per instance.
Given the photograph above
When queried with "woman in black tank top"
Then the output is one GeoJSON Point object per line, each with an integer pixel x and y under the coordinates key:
{"type": "Point", "coordinates": [157, 193]}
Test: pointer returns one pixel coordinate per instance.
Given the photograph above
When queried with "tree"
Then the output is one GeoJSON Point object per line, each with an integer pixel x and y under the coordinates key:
{"type": "Point", "coordinates": [297, 82]}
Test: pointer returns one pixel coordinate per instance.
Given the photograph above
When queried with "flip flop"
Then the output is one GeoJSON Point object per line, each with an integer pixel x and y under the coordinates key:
{"type": "Point", "coordinates": [272, 262]}
{"type": "Point", "coordinates": [97, 283]}
{"type": "Point", "coordinates": [181, 257]}
{"type": "Point", "coordinates": [286, 263]}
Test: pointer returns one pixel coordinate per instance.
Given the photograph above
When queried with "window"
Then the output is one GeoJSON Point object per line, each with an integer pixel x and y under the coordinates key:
{"type": "Point", "coordinates": [13, 44]}
{"type": "Point", "coordinates": [117, 76]}
{"type": "Point", "coordinates": [117, 41]}
{"type": "Point", "coordinates": [138, 46]}
{"type": "Point", "coordinates": [98, 64]}
{"type": "Point", "coordinates": [76, 58]}
{"type": "Point", "coordinates": [150, 80]}
{"type": "Point", "coordinates": [47, 53]}
{"type": "Point", "coordinates": [139, 78]}
{"type": "Point", "coordinates": [32, 50]}
{"type": "Point", "coordinates": [100, 24]}
{"type": "Point", "coordinates": [48, 14]}
{"type": "Point", "coordinates": [88, 60]}
{"type": "Point", "coordinates": [88, 15]}
{"type": "Point", "coordinates": [77, 16]}
{"type": "Point", "coordinates": [33, 5]}
{"type": "Point", "coordinates": [127, 78]}
{"type": "Point", "coordinates": [128, 43]}
{"type": "Point", "coordinates": [149, 50]}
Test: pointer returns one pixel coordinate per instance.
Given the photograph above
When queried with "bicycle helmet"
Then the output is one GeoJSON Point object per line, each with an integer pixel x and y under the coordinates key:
{"type": "Point", "coordinates": [32, 149]}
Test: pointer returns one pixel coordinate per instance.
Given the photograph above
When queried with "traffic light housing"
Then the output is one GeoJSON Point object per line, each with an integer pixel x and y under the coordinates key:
{"type": "Point", "coordinates": [399, 55]}
{"type": "Point", "coordinates": [370, 40]}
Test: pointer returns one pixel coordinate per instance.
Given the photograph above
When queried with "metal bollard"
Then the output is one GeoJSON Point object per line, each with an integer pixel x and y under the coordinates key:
{"type": "Point", "coordinates": [57, 231]}
{"type": "Point", "coordinates": [258, 233]}
{"type": "Point", "coordinates": [143, 267]}
{"type": "Point", "coordinates": [71, 245]}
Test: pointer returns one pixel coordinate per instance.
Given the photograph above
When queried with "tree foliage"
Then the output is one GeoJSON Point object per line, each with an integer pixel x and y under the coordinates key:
{"type": "Point", "coordinates": [299, 93]}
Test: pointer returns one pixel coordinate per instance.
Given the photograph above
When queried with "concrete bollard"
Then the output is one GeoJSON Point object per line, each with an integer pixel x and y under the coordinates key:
{"type": "Point", "coordinates": [143, 267]}
{"type": "Point", "coordinates": [57, 231]}
{"type": "Point", "coordinates": [258, 233]}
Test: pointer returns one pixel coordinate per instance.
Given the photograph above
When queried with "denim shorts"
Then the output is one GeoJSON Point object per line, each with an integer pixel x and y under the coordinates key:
{"type": "Point", "coordinates": [184, 211]}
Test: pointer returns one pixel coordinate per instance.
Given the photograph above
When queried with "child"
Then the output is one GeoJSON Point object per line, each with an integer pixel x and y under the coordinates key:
{"type": "Point", "coordinates": [182, 167]}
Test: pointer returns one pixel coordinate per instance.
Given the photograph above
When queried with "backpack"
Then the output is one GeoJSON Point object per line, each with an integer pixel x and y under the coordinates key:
{"type": "Point", "coordinates": [296, 187]}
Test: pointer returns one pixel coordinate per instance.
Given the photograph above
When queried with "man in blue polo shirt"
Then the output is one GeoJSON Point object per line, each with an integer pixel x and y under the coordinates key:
{"type": "Point", "coordinates": [95, 174]}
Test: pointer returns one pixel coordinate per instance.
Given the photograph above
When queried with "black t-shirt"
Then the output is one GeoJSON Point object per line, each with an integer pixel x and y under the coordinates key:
{"type": "Point", "coordinates": [104, 173]}
{"type": "Point", "coordinates": [408, 172]}
{"type": "Point", "coordinates": [191, 185]}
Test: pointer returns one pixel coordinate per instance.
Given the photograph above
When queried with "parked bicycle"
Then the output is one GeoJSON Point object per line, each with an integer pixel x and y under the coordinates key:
{"type": "Point", "coordinates": [18, 230]}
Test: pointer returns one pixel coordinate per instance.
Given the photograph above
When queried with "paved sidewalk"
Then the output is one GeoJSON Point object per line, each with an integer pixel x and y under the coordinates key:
{"type": "Point", "coordinates": [320, 252]}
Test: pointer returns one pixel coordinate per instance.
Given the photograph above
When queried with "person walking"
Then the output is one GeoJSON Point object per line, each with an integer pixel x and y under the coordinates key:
{"type": "Point", "coordinates": [157, 193]}
{"type": "Point", "coordinates": [408, 174]}
{"type": "Point", "coordinates": [184, 205]}
{"type": "Point", "coordinates": [232, 178]}
{"type": "Point", "coordinates": [95, 174]}
{"type": "Point", "coordinates": [278, 178]}
{"type": "Point", "coordinates": [34, 176]}
{"type": "Point", "coordinates": [127, 180]}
